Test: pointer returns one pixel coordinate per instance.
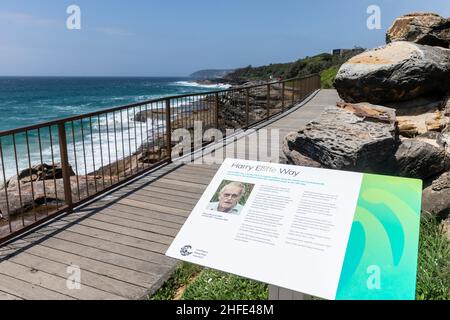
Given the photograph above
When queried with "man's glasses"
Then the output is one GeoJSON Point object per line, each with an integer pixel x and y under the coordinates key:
{"type": "Point", "coordinates": [233, 196]}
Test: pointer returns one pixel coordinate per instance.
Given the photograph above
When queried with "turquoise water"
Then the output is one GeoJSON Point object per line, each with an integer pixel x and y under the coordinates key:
{"type": "Point", "coordinates": [32, 100]}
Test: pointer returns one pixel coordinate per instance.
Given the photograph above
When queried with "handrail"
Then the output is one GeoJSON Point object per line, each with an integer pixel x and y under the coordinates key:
{"type": "Point", "coordinates": [80, 157]}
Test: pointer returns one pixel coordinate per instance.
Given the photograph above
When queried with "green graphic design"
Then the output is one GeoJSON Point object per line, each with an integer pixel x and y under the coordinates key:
{"type": "Point", "coordinates": [381, 257]}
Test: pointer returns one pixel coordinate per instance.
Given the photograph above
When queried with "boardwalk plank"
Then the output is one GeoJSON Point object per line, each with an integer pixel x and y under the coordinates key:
{"type": "Point", "coordinates": [52, 282]}
{"type": "Point", "coordinates": [111, 258]}
{"type": "Point", "coordinates": [137, 278]}
{"type": "Point", "coordinates": [148, 213]}
{"type": "Point", "coordinates": [115, 247]}
{"type": "Point", "coordinates": [120, 221]}
{"type": "Point", "coordinates": [164, 202]}
{"type": "Point", "coordinates": [151, 206]}
{"type": "Point", "coordinates": [8, 296]}
{"type": "Point", "coordinates": [158, 238]}
{"type": "Point", "coordinates": [28, 291]}
{"type": "Point", "coordinates": [88, 278]}
{"type": "Point", "coordinates": [140, 218]}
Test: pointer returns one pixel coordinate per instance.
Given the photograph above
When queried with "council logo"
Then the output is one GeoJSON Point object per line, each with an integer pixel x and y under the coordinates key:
{"type": "Point", "coordinates": [186, 251]}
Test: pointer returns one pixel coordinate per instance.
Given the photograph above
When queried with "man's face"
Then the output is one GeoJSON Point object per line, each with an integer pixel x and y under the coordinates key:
{"type": "Point", "coordinates": [229, 198]}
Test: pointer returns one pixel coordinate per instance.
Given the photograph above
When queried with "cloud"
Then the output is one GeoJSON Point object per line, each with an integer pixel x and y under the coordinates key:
{"type": "Point", "coordinates": [111, 31]}
{"type": "Point", "coordinates": [25, 19]}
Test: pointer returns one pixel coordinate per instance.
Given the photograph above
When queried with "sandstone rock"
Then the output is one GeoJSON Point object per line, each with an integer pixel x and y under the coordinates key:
{"type": "Point", "coordinates": [399, 71]}
{"type": "Point", "coordinates": [38, 172]}
{"type": "Point", "coordinates": [411, 126]}
{"type": "Point", "coordinates": [422, 28]}
{"type": "Point", "coordinates": [407, 128]}
{"type": "Point", "coordinates": [355, 137]}
{"type": "Point", "coordinates": [419, 159]}
{"type": "Point", "coordinates": [48, 191]}
{"type": "Point", "coordinates": [436, 197]}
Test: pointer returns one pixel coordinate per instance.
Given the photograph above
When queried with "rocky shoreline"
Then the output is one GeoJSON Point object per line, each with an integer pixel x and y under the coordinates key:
{"type": "Point", "coordinates": [394, 118]}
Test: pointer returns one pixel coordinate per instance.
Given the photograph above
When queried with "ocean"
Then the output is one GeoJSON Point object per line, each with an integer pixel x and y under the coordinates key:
{"type": "Point", "coordinates": [27, 101]}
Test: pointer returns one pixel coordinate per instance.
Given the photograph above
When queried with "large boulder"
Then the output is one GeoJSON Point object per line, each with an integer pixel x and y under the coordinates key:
{"type": "Point", "coordinates": [357, 137]}
{"type": "Point", "coordinates": [422, 28]}
{"type": "Point", "coordinates": [399, 71]}
{"type": "Point", "coordinates": [436, 197]}
{"type": "Point", "coordinates": [419, 159]}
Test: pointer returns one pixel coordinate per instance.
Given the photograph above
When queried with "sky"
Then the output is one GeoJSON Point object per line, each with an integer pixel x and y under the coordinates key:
{"type": "Point", "coordinates": [178, 37]}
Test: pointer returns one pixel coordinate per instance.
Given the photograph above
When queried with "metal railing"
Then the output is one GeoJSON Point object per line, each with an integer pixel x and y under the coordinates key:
{"type": "Point", "coordinates": [50, 168]}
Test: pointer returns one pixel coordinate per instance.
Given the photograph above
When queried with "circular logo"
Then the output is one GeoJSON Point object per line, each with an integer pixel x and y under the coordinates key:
{"type": "Point", "coordinates": [186, 250]}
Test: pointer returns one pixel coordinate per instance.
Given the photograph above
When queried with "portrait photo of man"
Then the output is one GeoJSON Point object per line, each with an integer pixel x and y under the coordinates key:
{"type": "Point", "coordinates": [231, 197]}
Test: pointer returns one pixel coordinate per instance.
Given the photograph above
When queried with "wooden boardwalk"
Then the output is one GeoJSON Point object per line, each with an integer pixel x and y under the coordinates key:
{"type": "Point", "coordinates": [118, 241]}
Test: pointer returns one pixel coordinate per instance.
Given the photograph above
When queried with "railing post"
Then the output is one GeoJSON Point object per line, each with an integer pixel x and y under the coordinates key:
{"type": "Point", "coordinates": [293, 92]}
{"type": "Point", "coordinates": [216, 117]}
{"type": "Point", "coordinates": [282, 96]}
{"type": "Point", "coordinates": [65, 165]}
{"type": "Point", "coordinates": [268, 101]}
{"type": "Point", "coordinates": [247, 108]}
{"type": "Point", "coordinates": [169, 130]}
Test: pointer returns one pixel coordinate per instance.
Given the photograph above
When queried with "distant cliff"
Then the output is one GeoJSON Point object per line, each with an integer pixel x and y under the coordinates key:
{"type": "Point", "coordinates": [210, 74]}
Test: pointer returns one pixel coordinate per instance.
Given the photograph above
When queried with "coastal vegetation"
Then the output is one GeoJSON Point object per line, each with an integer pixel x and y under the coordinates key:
{"type": "Point", "coordinates": [326, 64]}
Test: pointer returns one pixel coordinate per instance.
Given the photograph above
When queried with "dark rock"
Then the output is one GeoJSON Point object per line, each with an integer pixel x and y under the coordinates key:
{"type": "Point", "coordinates": [422, 28]}
{"type": "Point", "coordinates": [419, 159]}
{"type": "Point", "coordinates": [436, 197]}
{"type": "Point", "coordinates": [355, 137]}
{"type": "Point", "coordinates": [294, 157]}
{"type": "Point", "coordinates": [32, 195]}
{"type": "Point", "coordinates": [400, 71]}
{"type": "Point", "coordinates": [417, 106]}
{"type": "Point", "coordinates": [39, 172]}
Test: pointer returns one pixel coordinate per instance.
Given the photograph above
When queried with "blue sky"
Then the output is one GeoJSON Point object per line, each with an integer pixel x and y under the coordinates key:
{"type": "Point", "coordinates": [178, 37]}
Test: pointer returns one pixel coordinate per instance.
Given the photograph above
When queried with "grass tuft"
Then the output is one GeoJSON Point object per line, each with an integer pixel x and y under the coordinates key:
{"type": "Point", "coordinates": [216, 285]}
{"type": "Point", "coordinates": [182, 276]}
{"type": "Point", "coordinates": [433, 274]}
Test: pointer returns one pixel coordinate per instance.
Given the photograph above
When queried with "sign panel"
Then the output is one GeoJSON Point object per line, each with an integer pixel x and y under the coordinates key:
{"type": "Point", "coordinates": [327, 233]}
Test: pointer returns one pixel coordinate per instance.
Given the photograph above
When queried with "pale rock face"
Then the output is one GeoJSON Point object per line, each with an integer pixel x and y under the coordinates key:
{"type": "Point", "coordinates": [422, 28]}
{"type": "Point", "coordinates": [399, 71]}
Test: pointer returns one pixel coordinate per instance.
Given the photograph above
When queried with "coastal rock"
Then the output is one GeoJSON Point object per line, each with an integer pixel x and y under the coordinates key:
{"type": "Point", "coordinates": [422, 28]}
{"type": "Point", "coordinates": [419, 159]}
{"type": "Point", "coordinates": [38, 172]}
{"type": "Point", "coordinates": [399, 71]}
{"type": "Point", "coordinates": [232, 106]}
{"type": "Point", "coordinates": [417, 106]}
{"type": "Point", "coordinates": [294, 157]}
{"type": "Point", "coordinates": [446, 105]}
{"type": "Point", "coordinates": [51, 192]}
{"type": "Point", "coordinates": [411, 126]}
{"type": "Point", "coordinates": [357, 137]}
{"type": "Point", "coordinates": [436, 197]}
